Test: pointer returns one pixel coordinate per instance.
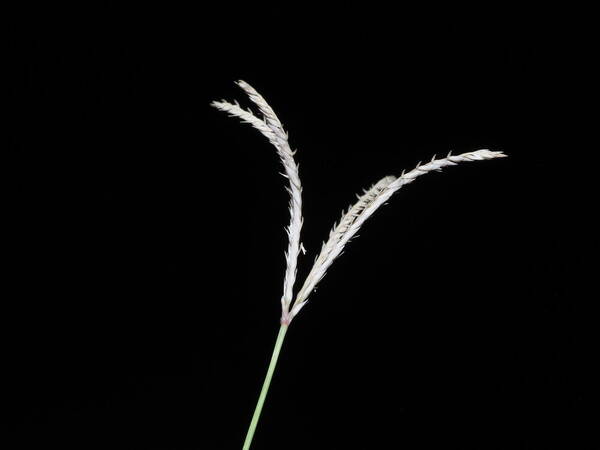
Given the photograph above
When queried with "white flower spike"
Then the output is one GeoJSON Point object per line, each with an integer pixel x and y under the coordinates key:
{"type": "Point", "coordinates": [376, 196]}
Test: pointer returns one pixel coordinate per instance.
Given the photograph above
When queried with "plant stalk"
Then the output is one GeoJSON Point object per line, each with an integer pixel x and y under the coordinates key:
{"type": "Point", "coordinates": [265, 387]}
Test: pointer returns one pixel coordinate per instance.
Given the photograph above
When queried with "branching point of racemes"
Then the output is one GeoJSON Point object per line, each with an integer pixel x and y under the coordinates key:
{"type": "Point", "coordinates": [350, 223]}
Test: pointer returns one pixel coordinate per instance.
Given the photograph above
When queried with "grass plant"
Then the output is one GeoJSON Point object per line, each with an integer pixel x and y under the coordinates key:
{"type": "Point", "coordinates": [350, 223]}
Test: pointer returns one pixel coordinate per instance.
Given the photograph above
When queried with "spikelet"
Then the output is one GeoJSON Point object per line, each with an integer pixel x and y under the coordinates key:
{"type": "Point", "coordinates": [365, 208]}
{"type": "Point", "coordinates": [272, 129]}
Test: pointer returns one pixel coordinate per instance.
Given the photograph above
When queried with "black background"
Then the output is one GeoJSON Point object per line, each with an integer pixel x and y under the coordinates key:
{"type": "Point", "coordinates": [145, 244]}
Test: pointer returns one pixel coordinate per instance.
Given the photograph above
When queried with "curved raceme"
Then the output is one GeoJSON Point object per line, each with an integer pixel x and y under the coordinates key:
{"type": "Point", "coordinates": [271, 127]}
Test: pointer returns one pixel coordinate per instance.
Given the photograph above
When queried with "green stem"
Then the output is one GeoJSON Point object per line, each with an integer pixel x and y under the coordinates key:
{"type": "Point", "coordinates": [265, 387]}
